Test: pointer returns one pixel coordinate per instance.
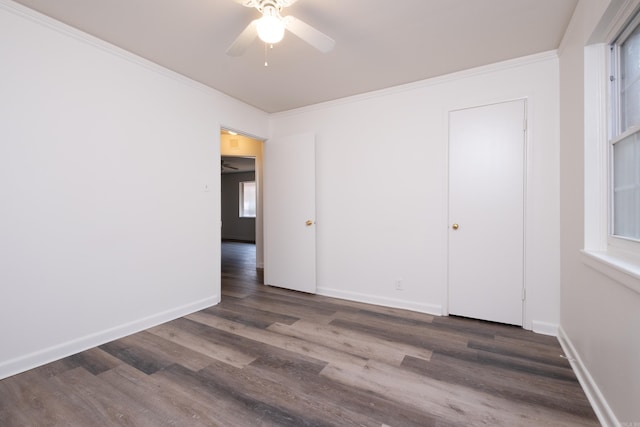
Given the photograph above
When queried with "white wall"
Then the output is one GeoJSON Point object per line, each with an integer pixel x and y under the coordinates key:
{"type": "Point", "coordinates": [105, 224]}
{"type": "Point", "coordinates": [382, 186]}
{"type": "Point", "coordinates": [600, 322]}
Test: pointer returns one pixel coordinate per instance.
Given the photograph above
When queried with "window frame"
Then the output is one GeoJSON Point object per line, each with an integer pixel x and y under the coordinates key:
{"type": "Point", "coordinates": [620, 244]}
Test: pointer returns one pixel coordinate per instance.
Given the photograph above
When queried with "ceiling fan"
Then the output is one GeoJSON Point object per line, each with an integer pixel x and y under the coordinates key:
{"type": "Point", "coordinates": [226, 165]}
{"type": "Point", "coordinates": [270, 27]}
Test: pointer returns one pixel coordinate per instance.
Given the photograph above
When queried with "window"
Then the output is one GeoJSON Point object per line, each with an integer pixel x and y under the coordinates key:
{"type": "Point", "coordinates": [248, 199]}
{"type": "Point", "coordinates": [625, 133]}
{"type": "Point", "coordinates": [611, 132]}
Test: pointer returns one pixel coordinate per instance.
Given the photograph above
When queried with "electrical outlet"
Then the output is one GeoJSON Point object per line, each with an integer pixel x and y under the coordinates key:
{"type": "Point", "coordinates": [399, 285]}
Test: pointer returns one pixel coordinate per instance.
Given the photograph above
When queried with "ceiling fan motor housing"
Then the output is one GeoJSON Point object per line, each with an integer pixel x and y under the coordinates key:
{"type": "Point", "coordinates": [262, 4]}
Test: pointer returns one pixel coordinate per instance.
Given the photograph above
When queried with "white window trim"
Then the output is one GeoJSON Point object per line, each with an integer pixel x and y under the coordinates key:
{"type": "Point", "coordinates": [596, 146]}
{"type": "Point", "coordinates": [616, 257]}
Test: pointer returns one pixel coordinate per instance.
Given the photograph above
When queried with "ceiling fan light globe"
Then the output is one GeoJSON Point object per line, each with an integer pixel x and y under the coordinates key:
{"type": "Point", "coordinates": [270, 29]}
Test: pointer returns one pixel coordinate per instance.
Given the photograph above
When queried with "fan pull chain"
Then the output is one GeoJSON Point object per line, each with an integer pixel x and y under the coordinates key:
{"type": "Point", "coordinates": [267, 46]}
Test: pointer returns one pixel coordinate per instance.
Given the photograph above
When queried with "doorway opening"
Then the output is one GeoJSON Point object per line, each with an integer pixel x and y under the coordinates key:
{"type": "Point", "coordinates": [241, 165]}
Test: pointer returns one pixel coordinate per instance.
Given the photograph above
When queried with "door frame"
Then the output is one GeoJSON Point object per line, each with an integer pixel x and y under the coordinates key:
{"type": "Point", "coordinates": [526, 179]}
{"type": "Point", "coordinates": [257, 153]}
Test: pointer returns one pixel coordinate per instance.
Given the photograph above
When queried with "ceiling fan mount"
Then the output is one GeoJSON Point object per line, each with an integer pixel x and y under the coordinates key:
{"type": "Point", "coordinates": [261, 4]}
{"type": "Point", "coordinates": [271, 27]}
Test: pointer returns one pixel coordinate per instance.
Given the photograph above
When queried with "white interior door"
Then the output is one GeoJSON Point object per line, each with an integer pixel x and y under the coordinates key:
{"type": "Point", "coordinates": [486, 212]}
{"type": "Point", "coordinates": [289, 213]}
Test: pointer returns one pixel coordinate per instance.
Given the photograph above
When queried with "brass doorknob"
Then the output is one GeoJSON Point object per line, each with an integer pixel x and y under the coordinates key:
{"type": "Point", "coordinates": [309, 223]}
{"type": "Point", "coordinates": [455, 226]}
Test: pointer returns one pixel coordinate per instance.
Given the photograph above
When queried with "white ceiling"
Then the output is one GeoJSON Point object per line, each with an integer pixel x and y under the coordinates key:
{"type": "Point", "coordinates": [379, 43]}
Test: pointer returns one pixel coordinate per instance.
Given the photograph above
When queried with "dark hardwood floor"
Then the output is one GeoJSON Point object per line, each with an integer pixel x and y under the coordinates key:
{"type": "Point", "coordinates": [271, 357]}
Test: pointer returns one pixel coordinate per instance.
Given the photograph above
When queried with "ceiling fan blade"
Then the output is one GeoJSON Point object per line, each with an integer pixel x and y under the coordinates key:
{"type": "Point", "coordinates": [256, 3]}
{"type": "Point", "coordinates": [306, 32]}
{"type": "Point", "coordinates": [246, 37]}
{"type": "Point", "coordinates": [249, 3]}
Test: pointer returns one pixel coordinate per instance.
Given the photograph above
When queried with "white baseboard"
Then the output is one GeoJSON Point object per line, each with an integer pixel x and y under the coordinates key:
{"type": "Point", "coordinates": [387, 302]}
{"type": "Point", "coordinates": [544, 328]}
{"type": "Point", "coordinates": [47, 355]}
{"type": "Point", "coordinates": [599, 404]}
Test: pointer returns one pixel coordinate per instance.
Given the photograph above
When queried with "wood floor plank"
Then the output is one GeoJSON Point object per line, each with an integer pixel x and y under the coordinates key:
{"type": "Point", "coordinates": [351, 342]}
{"type": "Point", "coordinates": [515, 349]}
{"type": "Point", "coordinates": [352, 399]}
{"type": "Point", "coordinates": [54, 368]}
{"type": "Point", "coordinates": [312, 303]}
{"type": "Point", "coordinates": [263, 315]}
{"type": "Point", "coordinates": [471, 328]}
{"type": "Point", "coordinates": [278, 401]}
{"type": "Point", "coordinates": [104, 404]}
{"type": "Point", "coordinates": [524, 364]}
{"type": "Point", "coordinates": [253, 348]}
{"type": "Point", "coordinates": [460, 405]}
{"type": "Point", "coordinates": [265, 302]}
{"type": "Point", "coordinates": [137, 356]}
{"type": "Point", "coordinates": [235, 293]}
{"type": "Point", "coordinates": [379, 311]}
{"type": "Point", "coordinates": [262, 401]}
{"type": "Point", "coordinates": [169, 407]}
{"type": "Point", "coordinates": [30, 399]}
{"type": "Point", "coordinates": [213, 350]}
{"type": "Point", "coordinates": [168, 350]}
{"type": "Point", "coordinates": [386, 326]}
{"type": "Point", "coordinates": [95, 360]}
{"type": "Point", "coordinates": [194, 401]}
{"type": "Point", "coordinates": [505, 383]}
{"type": "Point", "coordinates": [429, 339]}
{"type": "Point", "coordinates": [247, 317]}
{"type": "Point", "coordinates": [300, 346]}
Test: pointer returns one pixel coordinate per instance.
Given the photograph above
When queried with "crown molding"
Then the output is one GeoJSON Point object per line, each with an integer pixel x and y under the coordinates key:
{"type": "Point", "coordinates": [69, 31]}
{"type": "Point", "coordinates": [434, 81]}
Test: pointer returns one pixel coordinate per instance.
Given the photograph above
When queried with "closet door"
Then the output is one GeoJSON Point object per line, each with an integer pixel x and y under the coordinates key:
{"type": "Point", "coordinates": [486, 212]}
